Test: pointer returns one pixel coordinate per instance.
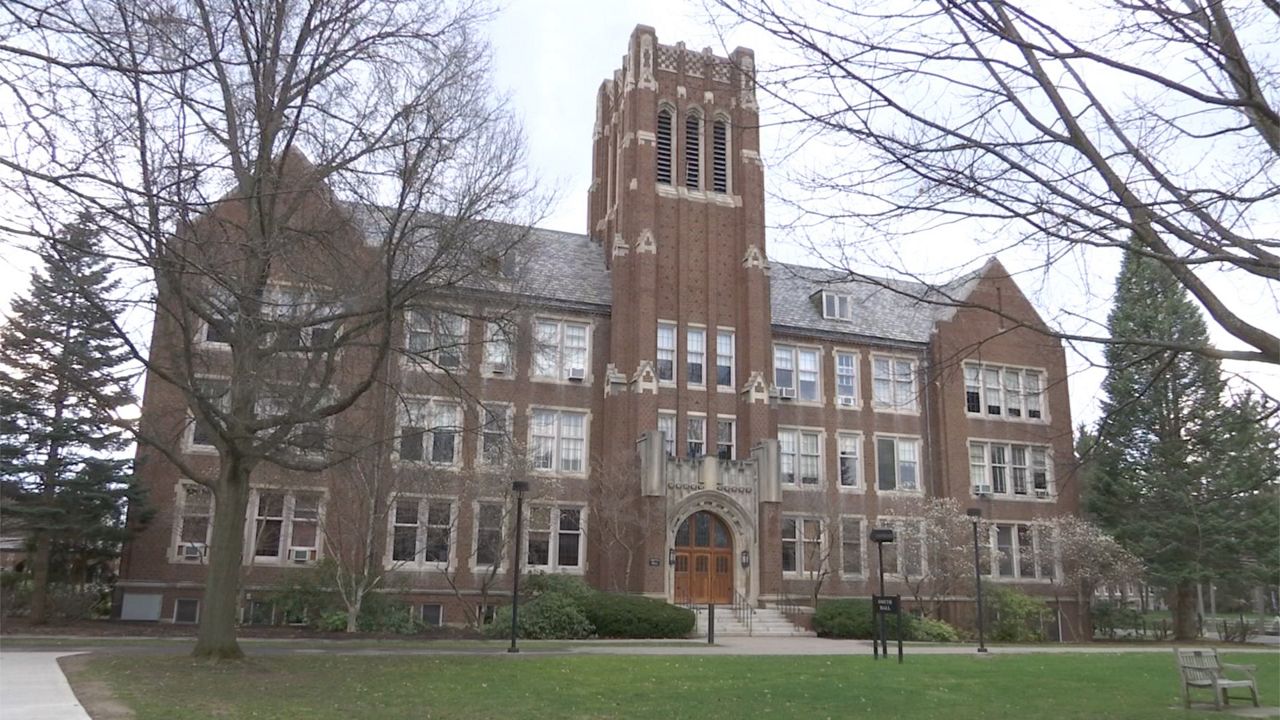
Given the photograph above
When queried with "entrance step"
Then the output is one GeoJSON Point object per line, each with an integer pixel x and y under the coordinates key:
{"type": "Point", "coordinates": [764, 622]}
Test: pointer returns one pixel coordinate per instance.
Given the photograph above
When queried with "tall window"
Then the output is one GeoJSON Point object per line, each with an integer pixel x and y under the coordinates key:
{"type": "Point", "coordinates": [696, 355]}
{"type": "Point", "coordinates": [420, 531]}
{"type": "Point", "coordinates": [1023, 551]}
{"type": "Point", "coordinates": [696, 437]}
{"type": "Point", "coordinates": [667, 425]}
{"type": "Point", "coordinates": [554, 540]}
{"type": "Point", "coordinates": [850, 546]}
{"type": "Point", "coordinates": [195, 521]}
{"type": "Point", "coordinates": [439, 337]}
{"type": "Point", "coordinates": [846, 379]}
{"type": "Point", "coordinates": [285, 525]}
{"type": "Point", "coordinates": [906, 555]}
{"type": "Point", "coordinates": [558, 440]}
{"type": "Point", "coordinates": [996, 391]}
{"type": "Point", "coordinates": [898, 463]}
{"type": "Point", "coordinates": [724, 358]}
{"type": "Point", "coordinates": [724, 438]}
{"type": "Point", "coordinates": [800, 456]}
{"type": "Point", "coordinates": [497, 348]}
{"type": "Point", "coordinates": [559, 349]}
{"type": "Point", "coordinates": [215, 393]}
{"type": "Point", "coordinates": [664, 145]}
{"type": "Point", "coordinates": [429, 430]}
{"type": "Point", "coordinates": [893, 383]}
{"type": "Point", "coordinates": [1009, 469]}
{"type": "Point", "coordinates": [489, 529]}
{"type": "Point", "coordinates": [850, 446]}
{"type": "Point", "coordinates": [720, 156]}
{"type": "Point", "coordinates": [296, 321]}
{"type": "Point", "coordinates": [795, 372]}
{"type": "Point", "coordinates": [666, 352]}
{"type": "Point", "coordinates": [693, 150]}
{"type": "Point", "coordinates": [495, 433]}
{"type": "Point", "coordinates": [801, 544]}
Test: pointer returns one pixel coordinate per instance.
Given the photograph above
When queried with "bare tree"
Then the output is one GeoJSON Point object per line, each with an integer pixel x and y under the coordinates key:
{"type": "Point", "coordinates": [1155, 120]}
{"type": "Point", "coordinates": [619, 516]}
{"type": "Point", "coordinates": [283, 179]}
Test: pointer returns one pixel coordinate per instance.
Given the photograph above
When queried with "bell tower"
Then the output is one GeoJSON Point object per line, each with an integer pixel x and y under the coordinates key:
{"type": "Point", "coordinates": [677, 202]}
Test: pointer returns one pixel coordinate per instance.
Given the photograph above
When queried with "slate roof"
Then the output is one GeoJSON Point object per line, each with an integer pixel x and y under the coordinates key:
{"type": "Point", "coordinates": [566, 266]}
{"type": "Point", "coordinates": [884, 308]}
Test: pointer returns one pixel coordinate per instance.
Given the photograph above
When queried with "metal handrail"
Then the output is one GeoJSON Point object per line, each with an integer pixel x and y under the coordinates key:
{"type": "Point", "coordinates": [742, 610]}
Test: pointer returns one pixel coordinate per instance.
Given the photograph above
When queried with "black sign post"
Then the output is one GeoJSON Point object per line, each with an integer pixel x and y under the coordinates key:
{"type": "Point", "coordinates": [882, 605]}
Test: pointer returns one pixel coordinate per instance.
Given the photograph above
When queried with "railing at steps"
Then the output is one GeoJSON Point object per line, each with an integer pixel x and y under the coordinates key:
{"type": "Point", "coordinates": [742, 610]}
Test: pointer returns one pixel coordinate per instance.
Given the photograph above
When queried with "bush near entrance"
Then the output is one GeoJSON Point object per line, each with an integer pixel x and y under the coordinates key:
{"type": "Point", "coordinates": [563, 607]}
{"type": "Point", "coordinates": [631, 616]}
{"type": "Point", "coordinates": [853, 619]}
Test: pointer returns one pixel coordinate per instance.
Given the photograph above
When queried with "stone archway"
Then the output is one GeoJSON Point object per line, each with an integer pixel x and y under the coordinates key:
{"type": "Point", "coordinates": [722, 573]}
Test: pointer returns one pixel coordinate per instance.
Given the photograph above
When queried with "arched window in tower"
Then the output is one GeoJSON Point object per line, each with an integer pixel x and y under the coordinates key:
{"type": "Point", "coordinates": [693, 150]}
{"type": "Point", "coordinates": [720, 156]}
{"type": "Point", "coordinates": [664, 145]}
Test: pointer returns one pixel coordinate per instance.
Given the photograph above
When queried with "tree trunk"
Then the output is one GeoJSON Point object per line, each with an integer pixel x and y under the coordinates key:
{"type": "Point", "coordinates": [40, 579]}
{"type": "Point", "coordinates": [353, 611]}
{"type": "Point", "coordinates": [1183, 607]}
{"type": "Point", "coordinates": [216, 638]}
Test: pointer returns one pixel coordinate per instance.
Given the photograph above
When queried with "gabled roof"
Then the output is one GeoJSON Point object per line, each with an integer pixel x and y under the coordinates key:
{"type": "Point", "coordinates": [885, 308]}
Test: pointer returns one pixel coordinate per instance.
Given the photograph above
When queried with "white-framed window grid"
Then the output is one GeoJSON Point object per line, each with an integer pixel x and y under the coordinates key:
{"type": "Point", "coordinates": [695, 355]}
{"type": "Point", "coordinates": [488, 538]}
{"type": "Point", "coordinates": [555, 538]}
{"type": "Point", "coordinates": [557, 440]}
{"type": "Point", "coordinates": [797, 372]}
{"type": "Point", "coordinates": [849, 460]}
{"type": "Point", "coordinates": [906, 556]}
{"type": "Point", "coordinates": [800, 456]}
{"type": "Point", "coordinates": [193, 522]}
{"type": "Point", "coordinates": [846, 378]}
{"type": "Point", "coordinates": [837, 306]}
{"type": "Point", "coordinates": [853, 549]}
{"type": "Point", "coordinates": [893, 383]}
{"type": "Point", "coordinates": [726, 434]}
{"type": "Point", "coordinates": [695, 435]}
{"type": "Point", "coordinates": [667, 426]}
{"type": "Point", "coordinates": [1021, 551]}
{"type": "Point", "coordinates": [284, 525]}
{"type": "Point", "coordinates": [1013, 470]}
{"type": "Point", "coordinates": [666, 361]}
{"type": "Point", "coordinates": [1005, 392]}
{"type": "Point", "coordinates": [726, 352]}
{"type": "Point", "coordinates": [429, 431]}
{"type": "Point", "coordinates": [421, 533]}
{"type": "Point", "coordinates": [898, 459]}
{"type": "Point", "coordinates": [438, 336]}
{"type": "Point", "coordinates": [499, 348]}
{"type": "Point", "coordinates": [802, 545]}
{"type": "Point", "coordinates": [494, 448]}
{"type": "Point", "coordinates": [561, 350]}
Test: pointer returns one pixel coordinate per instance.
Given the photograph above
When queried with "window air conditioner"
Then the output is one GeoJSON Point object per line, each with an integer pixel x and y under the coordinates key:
{"type": "Point", "coordinates": [577, 374]}
{"type": "Point", "coordinates": [498, 368]}
{"type": "Point", "coordinates": [1042, 493]}
{"type": "Point", "coordinates": [981, 489]}
{"type": "Point", "coordinates": [192, 551]}
{"type": "Point", "coordinates": [300, 555]}
{"type": "Point", "coordinates": [846, 401]}
{"type": "Point", "coordinates": [787, 393]}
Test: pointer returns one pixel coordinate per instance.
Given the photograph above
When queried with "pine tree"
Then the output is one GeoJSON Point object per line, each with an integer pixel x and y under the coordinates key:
{"type": "Point", "coordinates": [1162, 484]}
{"type": "Point", "coordinates": [63, 382]}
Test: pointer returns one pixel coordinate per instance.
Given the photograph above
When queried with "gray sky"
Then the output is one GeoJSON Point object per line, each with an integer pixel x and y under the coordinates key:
{"type": "Point", "coordinates": [550, 57]}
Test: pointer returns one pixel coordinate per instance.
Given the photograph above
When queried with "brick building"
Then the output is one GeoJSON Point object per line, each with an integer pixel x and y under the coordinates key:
{"type": "Point", "coordinates": [698, 423]}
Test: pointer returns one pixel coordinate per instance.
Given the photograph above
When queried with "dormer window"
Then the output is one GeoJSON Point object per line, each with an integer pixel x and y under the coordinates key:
{"type": "Point", "coordinates": [836, 306]}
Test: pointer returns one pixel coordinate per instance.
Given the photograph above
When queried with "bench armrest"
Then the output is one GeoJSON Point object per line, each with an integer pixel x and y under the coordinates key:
{"type": "Point", "coordinates": [1248, 669]}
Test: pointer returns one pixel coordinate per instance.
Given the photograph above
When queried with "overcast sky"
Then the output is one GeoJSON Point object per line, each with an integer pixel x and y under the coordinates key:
{"type": "Point", "coordinates": [550, 57]}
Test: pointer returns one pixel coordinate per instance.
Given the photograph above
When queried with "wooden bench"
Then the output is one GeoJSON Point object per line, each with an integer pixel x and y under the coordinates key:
{"type": "Point", "coordinates": [1203, 669]}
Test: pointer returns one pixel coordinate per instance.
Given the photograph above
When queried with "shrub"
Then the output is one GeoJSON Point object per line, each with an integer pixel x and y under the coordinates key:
{"type": "Point", "coordinates": [930, 630]}
{"type": "Point", "coordinates": [633, 616]}
{"type": "Point", "coordinates": [847, 619]}
{"type": "Point", "coordinates": [550, 616]}
{"type": "Point", "coordinates": [1018, 616]}
{"type": "Point", "coordinates": [382, 613]}
{"type": "Point", "coordinates": [571, 586]}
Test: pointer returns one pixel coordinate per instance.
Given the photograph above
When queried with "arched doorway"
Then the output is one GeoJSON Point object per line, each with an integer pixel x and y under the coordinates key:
{"type": "Point", "coordinates": [704, 560]}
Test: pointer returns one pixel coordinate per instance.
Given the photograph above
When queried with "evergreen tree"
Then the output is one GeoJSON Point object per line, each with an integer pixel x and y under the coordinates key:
{"type": "Point", "coordinates": [1163, 485]}
{"type": "Point", "coordinates": [63, 381]}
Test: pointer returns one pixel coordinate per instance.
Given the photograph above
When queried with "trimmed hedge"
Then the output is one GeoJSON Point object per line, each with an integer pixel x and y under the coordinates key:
{"type": "Point", "coordinates": [852, 619]}
{"type": "Point", "coordinates": [633, 616]}
{"type": "Point", "coordinates": [550, 616]}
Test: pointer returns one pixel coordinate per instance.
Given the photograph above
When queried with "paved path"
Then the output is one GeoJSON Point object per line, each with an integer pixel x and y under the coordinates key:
{"type": "Point", "coordinates": [32, 687]}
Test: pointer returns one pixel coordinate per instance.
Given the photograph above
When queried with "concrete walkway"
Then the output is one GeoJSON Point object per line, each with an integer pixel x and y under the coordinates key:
{"type": "Point", "coordinates": [32, 687]}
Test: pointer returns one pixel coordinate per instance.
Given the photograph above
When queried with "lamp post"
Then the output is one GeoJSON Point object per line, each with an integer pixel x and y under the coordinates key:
{"type": "Point", "coordinates": [975, 514]}
{"type": "Point", "coordinates": [880, 536]}
{"type": "Point", "coordinates": [519, 487]}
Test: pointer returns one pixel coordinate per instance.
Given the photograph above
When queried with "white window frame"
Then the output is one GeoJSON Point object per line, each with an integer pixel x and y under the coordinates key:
{"type": "Point", "coordinates": [286, 300]}
{"type": "Point", "coordinates": [732, 423]}
{"type": "Point", "coordinates": [695, 353]}
{"type": "Point", "coordinates": [796, 438]}
{"type": "Point", "coordinates": [189, 443]}
{"type": "Point", "coordinates": [983, 475]}
{"type": "Point", "coordinates": [669, 432]}
{"type": "Point", "coordinates": [844, 441]}
{"type": "Point", "coordinates": [1038, 540]}
{"type": "Point", "coordinates": [563, 366]}
{"type": "Point", "coordinates": [553, 538]}
{"type": "Point", "coordinates": [895, 379]}
{"type": "Point", "coordinates": [692, 422]}
{"type": "Point", "coordinates": [483, 412]}
{"type": "Point", "coordinates": [423, 527]}
{"type": "Point", "coordinates": [837, 306]}
{"type": "Point", "coordinates": [446, 335]}
{"type": "Point", "coordinates": [499, 349]}
{"type": "Point", "coordinates": [422, 611]}
{"type": "Point", "coordinates": [559, 440]}
{"type": "Point", "coordinates": [666, 351]}
{"type": "Point", "coordinates": [855, 360]}
{"type": "Point", "coordinates": [861, 534]}
{"type": "Point", "coordinates": [421, 412]}
{"type": "Point", "coordinates": [287, 522]}
{"type": "Point", "coordinates": [177, 544]}
{"type": "Point", "coordinates": [898, 462]}
{"type": "Point", "coordinates": [503, 549]}
{"type": "Point", "coordinates": [793, 354]}
{"type": "Point", "coordinates": [1008, 379]}
{"type": "Point", "coordinates": [722, 355]}
{"type": "Point", "coordinates": [894, 549]}
{"type": "Point", "coordinates": [803, 541]}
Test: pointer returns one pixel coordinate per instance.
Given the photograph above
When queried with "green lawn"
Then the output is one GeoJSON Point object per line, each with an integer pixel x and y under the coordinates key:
{"type": "Point", "coordinates": [955, 687]}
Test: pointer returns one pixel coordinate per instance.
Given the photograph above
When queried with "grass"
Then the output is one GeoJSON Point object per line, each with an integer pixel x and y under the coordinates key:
{"type": "Point", "coordinates": [320, 687]}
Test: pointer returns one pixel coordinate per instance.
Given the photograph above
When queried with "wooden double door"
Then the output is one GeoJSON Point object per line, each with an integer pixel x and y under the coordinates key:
{"type": "Point", "coordinates": [704, 560]}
